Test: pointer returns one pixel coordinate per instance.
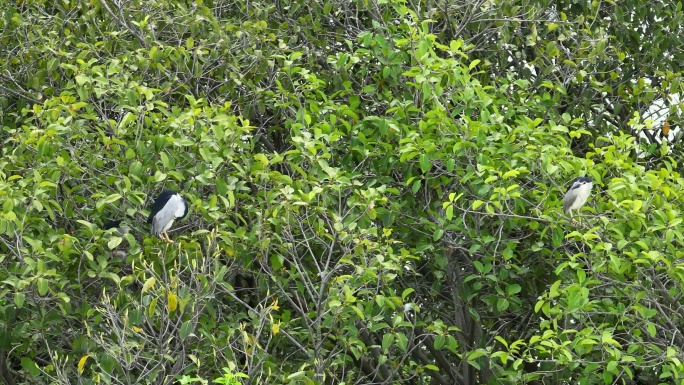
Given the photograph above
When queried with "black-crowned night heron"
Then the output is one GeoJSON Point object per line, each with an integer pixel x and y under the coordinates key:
{"type": "Point", "coordinates": [577, 194]}
{"type": "Point", "coordinates": [116, 224]}
{"type": "Point", "coordinates": [168, 206]}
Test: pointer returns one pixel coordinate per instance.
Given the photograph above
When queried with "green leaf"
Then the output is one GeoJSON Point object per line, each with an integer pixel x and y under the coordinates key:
{"type": "Point", "coordinates": [114, 242]}
{"type": "Point", "coordinates": [81, 79]}
{"type": "Point", "coordinates": [185, 330]}
{"type": "Point", "coordinates": [415, 187]}
{"type": "Point", "coordinates": [135, 168]}
{"type": "Point", "coordinates": [52, 64]}
{"type": "Point", "coordinates": [513, 289]}
{"type": "Point", "coordinates": [437, 234]}
{"type": "Point", "coordinates": [407, 292]}
{"type": "Point", "coordinates": [502, 304]}
{"type": "Point", "coordinates": [387, 340]}
{"type": "Point", "coordinates": [455, 45]}
{"type": "Point", "coordinates": [358, 312]}
{"type": "Point", "coordinates": [553, 290]}
{"type": "Point", "coordinates": [425, 164]}
{"type": "Point", "coordinates": [30, 366]}
{"type": "Point", "coordinates": [165, 160]}
{"type": "Point", "coordinates": [557, 236]}
{"type": "Point", "coordinates": [42, 284]}
{"type": "Point", "coordinates": [503, 356]}
{"type": "Point", "coordinates": [511, 174]}
{"type": "Point", "coordinates": [296, 376]}
{"type": "Point", "coordinates": [19, 299]}
{"type": "Point", "coordinates": [87, 224]}
{"type": "Point", "coordinates": [153, 307]}
{"type": "Point", "coordinates": [439, 341]}
{"type": "Point", "coordinates": [473, 356]}
{"type": "Point", "coordinates": [450, 212]}
{"type": "Point", "coordinates": [402, 341]}
{"type": "Point", "coordinates": [261, 158]}
{"type": "Point", "coordinates": [348, 295]}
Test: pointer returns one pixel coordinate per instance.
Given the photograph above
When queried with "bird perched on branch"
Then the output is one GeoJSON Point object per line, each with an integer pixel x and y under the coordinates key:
{"type": "Point", "coordinates": [116, 224]}
{"type": "Point", "coordinates": [168, 206]}
{"type": "Point", "coordinates": [577, 194]}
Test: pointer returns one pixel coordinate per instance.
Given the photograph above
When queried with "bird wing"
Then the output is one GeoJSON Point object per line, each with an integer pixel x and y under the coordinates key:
{"type": "Point", "coordinates": [573, 184]}
{"type": "Point", "coordinates": [159, 203]}
{"type": "Point", "coordinates": [174, 208]}
{"type": "Point", "coordinates": [569, 200]}
{"type": "Point", "coordinates": [179, 204]}
{"type": "Point", "coordinates": [111, 224]}
{"type": "Point", "coordinates": [161, 220]}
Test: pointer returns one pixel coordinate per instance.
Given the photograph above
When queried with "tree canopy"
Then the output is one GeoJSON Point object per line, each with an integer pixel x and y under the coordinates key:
{"type": "Point", "coordinates": [375, 192]}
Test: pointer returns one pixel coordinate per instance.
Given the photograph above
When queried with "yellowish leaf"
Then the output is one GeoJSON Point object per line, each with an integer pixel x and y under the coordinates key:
{"type": "Point", "coordinates": [81, 363]}
{"type": "Point", "coordinates": [137, 329]}
{"type": "Point", "coordinates": [148, 284]}
{"type": "Point", "coordinates": [275, 328]}
{"type": "Point", "coordinates": [172, 302]}
{"type": "Point", "coordinates": [152, 308]}
{"type": "Point", "coordinates": [248, 342]}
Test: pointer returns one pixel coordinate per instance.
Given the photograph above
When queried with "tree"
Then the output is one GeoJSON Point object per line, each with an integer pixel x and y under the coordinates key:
{"type": "Point", "coordinates": [375, 192]}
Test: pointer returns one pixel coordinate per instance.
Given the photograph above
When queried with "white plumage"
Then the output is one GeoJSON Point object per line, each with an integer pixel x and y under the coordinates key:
{"type": "Point", "coordinates": [168, 206]}
{"type": "Point", "coordinates": [577, 194]}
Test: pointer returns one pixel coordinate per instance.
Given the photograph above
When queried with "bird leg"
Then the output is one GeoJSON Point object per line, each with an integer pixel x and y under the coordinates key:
{"type": "Point", "coordinates": [579, 212]}
{"type": "Point", "coordinates": [167, 237]}
{"type": "Point", "coordinates": [576, 223]}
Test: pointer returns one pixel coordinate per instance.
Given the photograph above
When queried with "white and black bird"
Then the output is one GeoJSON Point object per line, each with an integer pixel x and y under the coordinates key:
{"type": "Point", "coordinates": [577, 194]}
{"type": "Point", "coordinates": [168, 206]}
{"type": "Point", "coordinates": [116, 224]}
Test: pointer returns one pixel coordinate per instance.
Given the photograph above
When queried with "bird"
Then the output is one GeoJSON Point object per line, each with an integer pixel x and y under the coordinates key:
{"type": "Point", "coordinates": [116, 224]}
{"type": "Point", "coordinates": [168, 206]}
{"type": "Point", "coordinates": [577, 194]}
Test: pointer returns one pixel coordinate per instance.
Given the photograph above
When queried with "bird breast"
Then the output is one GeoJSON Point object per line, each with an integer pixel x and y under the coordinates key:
{"type": "Point", "coordinates": [163, 220]}
{"type": "Point", "coordinates": [582, 195]}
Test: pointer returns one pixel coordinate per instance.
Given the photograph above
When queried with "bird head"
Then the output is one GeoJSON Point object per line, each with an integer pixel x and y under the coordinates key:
{"type": "Point", "coordinates": [580, 181]}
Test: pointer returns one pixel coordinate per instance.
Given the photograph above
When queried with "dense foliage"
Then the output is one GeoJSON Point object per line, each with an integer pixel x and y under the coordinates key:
{"type": "Point", "coordinates": [375, 191]}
